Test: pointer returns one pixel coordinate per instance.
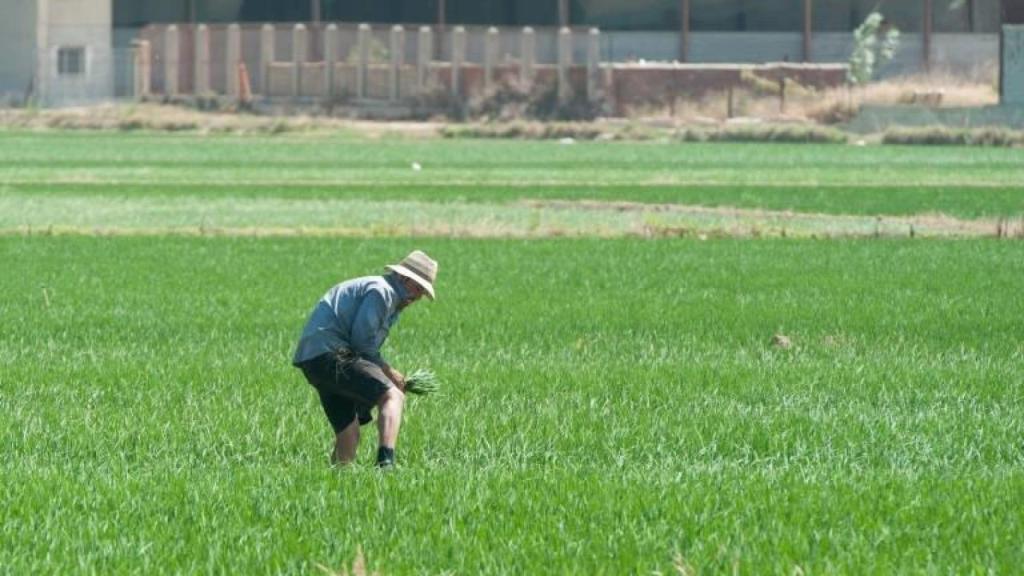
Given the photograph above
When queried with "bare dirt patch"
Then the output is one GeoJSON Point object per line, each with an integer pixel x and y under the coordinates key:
{"type": "Point", "coordinates": [732, 221]}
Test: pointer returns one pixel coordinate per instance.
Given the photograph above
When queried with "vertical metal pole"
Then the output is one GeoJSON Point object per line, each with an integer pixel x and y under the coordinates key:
{"type": "Point", "coordinates": [927, 35]}
{"type": "Point", "coordinates": [563, 13]}
{"type": "Point", "coordinates": [314, 38]}
{"type": "Point", "coordinates": [440, 29]}
{"type": "Point", "coordinates": [684, 30]}
{"type": "Point", "coordinates": [808, 29]}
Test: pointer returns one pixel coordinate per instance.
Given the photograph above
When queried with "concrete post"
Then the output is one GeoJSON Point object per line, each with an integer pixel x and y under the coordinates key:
{"type": "Point", "coordinates": [490, 58]}
{"type": "Point", "coordinates": [564, 62]}
{"type": "Point", "coordinates": [593, 63]}
{"type": "Point", "coordinates": [300, 47]}
{"type": "Point", "coordinates": [266, 57]}
{"type": "Point", "coordinates": [172, 51]}
{"type": "Point", "coordinates": [1011, 84]}
{"type": "Point", "coordinates": [458, 57]}
{"type": "Point", "coordinates": [143, 56]}
{"type": "Point", "coordinates": [397, 58]}
{"type": "Point", "coordinates": [202, 77]}
{"type": "Point", "coordinates": [234, 57]}
{"type": "Point", "coordinates": [527, 57]}
{"type": "Point", "coordinates": [330, 58]}
{"type": "Point", "coordinates": [363, 46]}
{"type": "Point", "coordinates": [423, 53]}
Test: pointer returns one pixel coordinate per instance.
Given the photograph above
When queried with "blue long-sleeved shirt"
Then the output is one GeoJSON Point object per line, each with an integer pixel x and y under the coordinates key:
{"type": "Point", "coordinates": [356, 314]}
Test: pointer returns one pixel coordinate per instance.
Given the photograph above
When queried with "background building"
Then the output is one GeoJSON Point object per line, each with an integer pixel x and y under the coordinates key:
{"type": "Point", "coordinates": [66, 51]}
{"type": "Point", "coordinates": [58, 51]}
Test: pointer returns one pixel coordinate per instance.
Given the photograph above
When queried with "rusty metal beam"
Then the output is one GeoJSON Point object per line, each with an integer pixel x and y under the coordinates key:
{"type": "Point", "coordinates": [441, 22]}
{"type": "Point", "coordinates": [684, 30]}
{"type": "Point", "coordinates": [808, 25]}
{"type": "Point", "coordinates": [926, 35]}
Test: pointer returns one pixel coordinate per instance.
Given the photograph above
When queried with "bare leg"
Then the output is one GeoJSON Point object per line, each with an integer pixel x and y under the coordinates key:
{"type": "Point", "coordinates": [345, 444]}
{"type": "Point", "coordinates": [390, 416]}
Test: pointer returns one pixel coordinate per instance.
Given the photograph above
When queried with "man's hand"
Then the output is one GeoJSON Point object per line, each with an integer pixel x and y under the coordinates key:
{"type": "Point", "coordinates": [395, 377]}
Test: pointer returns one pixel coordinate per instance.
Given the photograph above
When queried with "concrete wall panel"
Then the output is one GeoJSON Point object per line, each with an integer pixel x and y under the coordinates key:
{"type": "Point", "coordinates": [974, 55]}
{"type": "Point", "coordinates": [631, 46]}
{"type": "Point", "coordinates": [1013, 65]}
{"type": "Point", "coordinates": [746, 47]}
{"type": "Point", "coordinates": [76, 23]}
{"type": "Point", "coordinates": [17, 44]}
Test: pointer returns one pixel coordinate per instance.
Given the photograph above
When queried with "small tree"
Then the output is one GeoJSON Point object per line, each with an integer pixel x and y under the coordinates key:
{"type": "Point", "coordinates": [868, 51]}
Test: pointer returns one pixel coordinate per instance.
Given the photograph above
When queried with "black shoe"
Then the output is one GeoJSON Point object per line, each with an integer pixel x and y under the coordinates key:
{"type": "Point", "coordinates": [385, 457]}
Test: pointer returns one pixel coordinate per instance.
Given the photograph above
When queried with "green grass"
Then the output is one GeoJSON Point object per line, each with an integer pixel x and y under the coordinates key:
{"type": "Point", "coordinates": [610, 406]}
{"type": "Point", "coordinates": [891, 180]}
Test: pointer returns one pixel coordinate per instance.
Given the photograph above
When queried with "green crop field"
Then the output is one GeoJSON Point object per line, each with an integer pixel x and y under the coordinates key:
{"type": "Point", "coordinates": [613, 402]}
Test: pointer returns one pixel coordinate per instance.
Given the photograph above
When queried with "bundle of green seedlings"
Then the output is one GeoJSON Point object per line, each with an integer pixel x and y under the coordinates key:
{"type": "Point", "coordinates": [422, 382]}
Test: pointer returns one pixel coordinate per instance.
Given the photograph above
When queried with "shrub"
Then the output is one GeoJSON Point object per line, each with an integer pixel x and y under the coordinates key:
{"type": "Point", "coordinates": [945, 136]}
{"type": "Point", "coordinates": [765, 133]}
{"type": "Point", "coordinates": [867, 52]}
{"type": "Point", "coordinates": [524, 130]}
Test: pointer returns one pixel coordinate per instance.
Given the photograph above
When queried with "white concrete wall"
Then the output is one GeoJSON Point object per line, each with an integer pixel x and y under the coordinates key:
{"type": "Point", "coordinates": [959, 53]}
{"type": "Point", "coordinates": [974, 55]}
{"type": "Point", "coordinates": [17, 45]}
{"type": "Point", "coordinates": [1013, 66]}
{"type": "Point", "coordinates": [626, 46]}
{"type": "Point", "coordinates": [71, 23]}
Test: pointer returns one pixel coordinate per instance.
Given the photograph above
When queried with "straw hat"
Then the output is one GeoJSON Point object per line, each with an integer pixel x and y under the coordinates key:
{"type": "Point", "coordinates": [419, 268]}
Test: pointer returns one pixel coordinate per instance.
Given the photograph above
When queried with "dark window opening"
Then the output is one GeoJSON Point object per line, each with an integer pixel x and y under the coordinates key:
{"type": "Point", "coordinates": [71, 61]}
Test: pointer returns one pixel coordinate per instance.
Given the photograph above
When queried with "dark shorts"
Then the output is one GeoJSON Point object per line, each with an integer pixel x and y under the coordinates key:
{"type": "Point", "coordinates": [347, 387]}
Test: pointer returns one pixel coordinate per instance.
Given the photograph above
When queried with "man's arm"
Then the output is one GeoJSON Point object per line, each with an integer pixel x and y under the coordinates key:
{"type": "Point", "coordinates": [367, 335]}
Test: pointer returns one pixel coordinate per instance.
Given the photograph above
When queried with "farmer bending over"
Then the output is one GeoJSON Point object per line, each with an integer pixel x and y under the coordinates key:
{"type": "Point", "coordinates": [339, 353]}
